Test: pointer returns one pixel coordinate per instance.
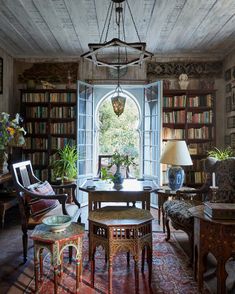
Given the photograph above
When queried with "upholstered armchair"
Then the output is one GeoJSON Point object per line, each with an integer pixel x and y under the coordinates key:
{"type": "Point", "coordinates": [177, 210]}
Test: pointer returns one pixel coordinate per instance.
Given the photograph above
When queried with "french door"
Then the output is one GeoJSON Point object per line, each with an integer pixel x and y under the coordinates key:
{"type": "Point", "coordinates": [152, 133]}
{"type": "Point", "coordinates": [85, 135]}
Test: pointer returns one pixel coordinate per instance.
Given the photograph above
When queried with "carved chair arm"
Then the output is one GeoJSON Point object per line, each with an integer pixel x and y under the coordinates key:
{"type": "Point", "coordinates": [71, 186]}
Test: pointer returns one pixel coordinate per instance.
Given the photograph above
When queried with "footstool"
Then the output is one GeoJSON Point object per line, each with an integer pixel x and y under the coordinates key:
{"type": "Point", "coordinates": [118, 229]}
{"type": "Point", "coordinates": [56, 243]}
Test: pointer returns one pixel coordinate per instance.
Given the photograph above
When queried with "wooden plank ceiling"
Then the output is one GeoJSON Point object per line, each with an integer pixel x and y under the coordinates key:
{"type": "Point", "coordinates": [63, 28]}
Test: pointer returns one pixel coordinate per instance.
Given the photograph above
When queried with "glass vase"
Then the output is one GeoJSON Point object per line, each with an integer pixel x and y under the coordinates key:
{"type": "Point", "coordinates": [3, 161]}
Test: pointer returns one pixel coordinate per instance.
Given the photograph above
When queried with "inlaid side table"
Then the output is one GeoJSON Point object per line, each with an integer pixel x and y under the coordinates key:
{"type": "Point", "coordinates": [214, 236]}
{"type": "Point", "coordinates": [56, 243]}
{"type": "Point", "coordinates": [118, 229]}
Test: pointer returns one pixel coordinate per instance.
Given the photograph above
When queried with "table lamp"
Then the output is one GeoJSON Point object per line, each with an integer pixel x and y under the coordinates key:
{"type": "Point", "coordinates": [176, 154]}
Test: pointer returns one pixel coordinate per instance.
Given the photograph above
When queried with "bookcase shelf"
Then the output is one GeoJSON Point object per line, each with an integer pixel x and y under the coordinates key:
{"type": "Point", "coordinates": [50, 122]}
{"type": "Point", "coordinates": [190, 115]}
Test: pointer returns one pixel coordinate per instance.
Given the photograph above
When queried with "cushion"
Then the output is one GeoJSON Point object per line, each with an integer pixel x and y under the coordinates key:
{"type": "Point", "coordinates": [178, 211]}
{"type": "Point", "coordinates": [37, 206]}
{"type": "Point", "coordinates": [72, 210]}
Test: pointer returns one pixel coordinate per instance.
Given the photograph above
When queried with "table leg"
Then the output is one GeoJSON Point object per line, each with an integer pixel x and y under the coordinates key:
{"type": "Point", "coordinates": [41, 263]}
{"type": "Point", "coordinates": [36, 271]}
{"type": "Point", "coordinates": [56, 271]}
{"type": "Point", "coordinates": [221, 276]}
{"type": "Point", "coordinates": [77, 275]}
{"type": "Point", "coordinates": [110, 275]}
{"type": "Point", "coordinates": [149, 260]}
{"type": "Point", "coordinates": [93, 268]}
{"type": "Point", "coordinates": [143, 259]}
{"type": "Point", "coordinates": [163, 221]}
{"type": "Point", "coordinates": [136, 259]}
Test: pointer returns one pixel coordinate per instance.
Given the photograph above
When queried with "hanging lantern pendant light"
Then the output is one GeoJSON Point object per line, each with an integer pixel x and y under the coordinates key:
{"type": "Point", "coordinates": [118, 100]}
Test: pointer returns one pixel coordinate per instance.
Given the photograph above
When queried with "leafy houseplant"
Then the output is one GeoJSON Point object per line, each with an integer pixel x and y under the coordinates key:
{"type": "Point", "coordinates": [221, 154]}
{"type": "Point", "coordinates": [65, 164]}
{"type": "Point", "coordinates": [119, 160]}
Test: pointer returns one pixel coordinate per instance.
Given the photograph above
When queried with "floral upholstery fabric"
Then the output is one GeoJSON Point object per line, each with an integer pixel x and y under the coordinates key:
{"type": "Point", "coordinates": [178, 211]}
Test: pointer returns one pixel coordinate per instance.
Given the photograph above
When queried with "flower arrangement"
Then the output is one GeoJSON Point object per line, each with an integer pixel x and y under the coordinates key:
{"type": "Point", "coordinates": [122, 159]}
{"type": "Point", "coordinates": [119, 160]}
{"type": "Point", "coordinates": [11, 133]}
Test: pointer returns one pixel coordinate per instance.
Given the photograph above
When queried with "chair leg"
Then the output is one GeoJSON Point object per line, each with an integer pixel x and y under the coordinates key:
{"type": "Point", "coordinates": [168, 231]}
{"type": "Point", "coordinates": [25, 245]}
{"type": "Point", "coordinates": [70, 253]}
{"type": "Point", "coordinates": [79, 219]}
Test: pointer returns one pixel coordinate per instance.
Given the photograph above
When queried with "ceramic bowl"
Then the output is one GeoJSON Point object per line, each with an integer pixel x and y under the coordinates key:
{"type": "Point", "coordinates": [57, 223]}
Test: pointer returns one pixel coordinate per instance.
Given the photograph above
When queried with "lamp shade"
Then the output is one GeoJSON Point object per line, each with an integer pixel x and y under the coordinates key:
{"type": "Point", "coordinates": [176, 153]}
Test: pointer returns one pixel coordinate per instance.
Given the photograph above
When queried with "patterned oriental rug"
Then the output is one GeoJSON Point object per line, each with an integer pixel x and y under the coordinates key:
{"type": "Point", "coordinates": [171, 272]}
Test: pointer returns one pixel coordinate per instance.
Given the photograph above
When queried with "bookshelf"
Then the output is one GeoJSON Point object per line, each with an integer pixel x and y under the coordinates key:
{"type": "Point", "coordinates": [190, 115]}
{"type": "Point", "coordinates": [50, 121]}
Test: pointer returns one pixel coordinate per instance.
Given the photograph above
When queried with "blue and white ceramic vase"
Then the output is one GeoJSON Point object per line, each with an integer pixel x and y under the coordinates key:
{"type": "Point", "coordinates": [118, 177]}
{"type": "Point", "coordinates": [175, 177]}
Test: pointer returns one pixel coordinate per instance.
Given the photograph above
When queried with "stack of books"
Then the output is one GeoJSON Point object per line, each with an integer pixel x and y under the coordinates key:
{"type": "Point", "coordinates": [224, 211]}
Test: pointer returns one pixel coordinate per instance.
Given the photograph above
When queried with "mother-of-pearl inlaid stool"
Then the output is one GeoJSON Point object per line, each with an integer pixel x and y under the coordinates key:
{"type": "Point", "coordinates": [56, 243]}
{"type": "Point", "coordinates": [118, 229]}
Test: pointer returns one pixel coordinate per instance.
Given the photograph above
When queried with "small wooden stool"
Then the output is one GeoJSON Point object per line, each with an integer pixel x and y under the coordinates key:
{"type": "Point", "coordinates": [55, 243]}
{"type": "Point", "coordinates": [121, 228]}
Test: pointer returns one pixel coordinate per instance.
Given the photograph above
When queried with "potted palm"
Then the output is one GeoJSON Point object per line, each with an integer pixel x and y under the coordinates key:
{"type": "Point", "coordinates": [64, 166]}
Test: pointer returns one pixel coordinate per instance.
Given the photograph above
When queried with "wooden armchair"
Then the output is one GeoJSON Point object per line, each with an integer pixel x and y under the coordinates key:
{"type": "Point", "coordinates": [39, 199]}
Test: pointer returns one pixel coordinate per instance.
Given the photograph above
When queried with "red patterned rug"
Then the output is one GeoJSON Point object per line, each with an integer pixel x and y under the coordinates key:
{"type": "Point", "coordinates": [171, 273]}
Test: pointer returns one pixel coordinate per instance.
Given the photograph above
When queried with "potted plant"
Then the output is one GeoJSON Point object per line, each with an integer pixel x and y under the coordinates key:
{"type": "Point", "coordinates": [65, 164]}
{"type": "Point", "coordinates": [220, 154]}
{"type": "Point", "coordinates": [119, 160]}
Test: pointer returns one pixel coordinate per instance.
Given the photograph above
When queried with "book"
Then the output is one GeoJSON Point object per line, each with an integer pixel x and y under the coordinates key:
{"type": "Point", "coordinates": [224, 211]}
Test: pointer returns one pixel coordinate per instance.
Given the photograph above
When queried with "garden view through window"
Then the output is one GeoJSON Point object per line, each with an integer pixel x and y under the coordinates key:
{"type": "Point", "coordinates": [120, 133]}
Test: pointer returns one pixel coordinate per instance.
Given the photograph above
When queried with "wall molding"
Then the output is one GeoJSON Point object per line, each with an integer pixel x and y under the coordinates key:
{"type": "Point", "coordinates": [50, 72]}
{"type": "Point", "coordinates": [156, 70]}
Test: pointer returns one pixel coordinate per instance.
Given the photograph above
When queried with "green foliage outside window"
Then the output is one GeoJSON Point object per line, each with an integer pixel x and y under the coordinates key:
{"type": "Point", "coordinates": [119, 133]}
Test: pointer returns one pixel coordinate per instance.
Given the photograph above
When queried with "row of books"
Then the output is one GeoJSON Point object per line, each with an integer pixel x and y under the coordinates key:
{"type": "Point", "coordinates": [63, 112]}
{"type": "Point", "coordinates": [36, 127]}
{"type": "Point", "coordinates": [196, 177]}
{"type": "Point", "coordinates": [37, 112]}
{"type": "Point", "coordinates": [52, 97]}
{"type": "Point", "coordinates": [42, 174]}
{"type": "Point", "coordinates": [34, 97]}
{"type": "Point", "coordinates": [197, 165]}
{"type": "Point", "coordinates": [36, 143]}
{"type": "Point", "coordinates": [38, 158]}
{"type": "Point", "coordinates": [168, 133]}
{"type": "Point", "coordinates": [63, 97]}
{"type": "Point", "coordinates": [201, 117]}
{"type": "Point", "coordinates": [58, 142]}
{"type": "Point", "coordinates": [184, 101]}
{"type": "Point", "coordinates": [200, 101]}
{"type": "Point", "coordinates": [63, 128]}
{"type": "Point", "coordinates": [174, 117]}
{"type": "Point", "coordinates": [199, 133]}
{"type": "Point", "coordinates": [199, 148]}
{"type": "Point", "coordinates": [175, 101]}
